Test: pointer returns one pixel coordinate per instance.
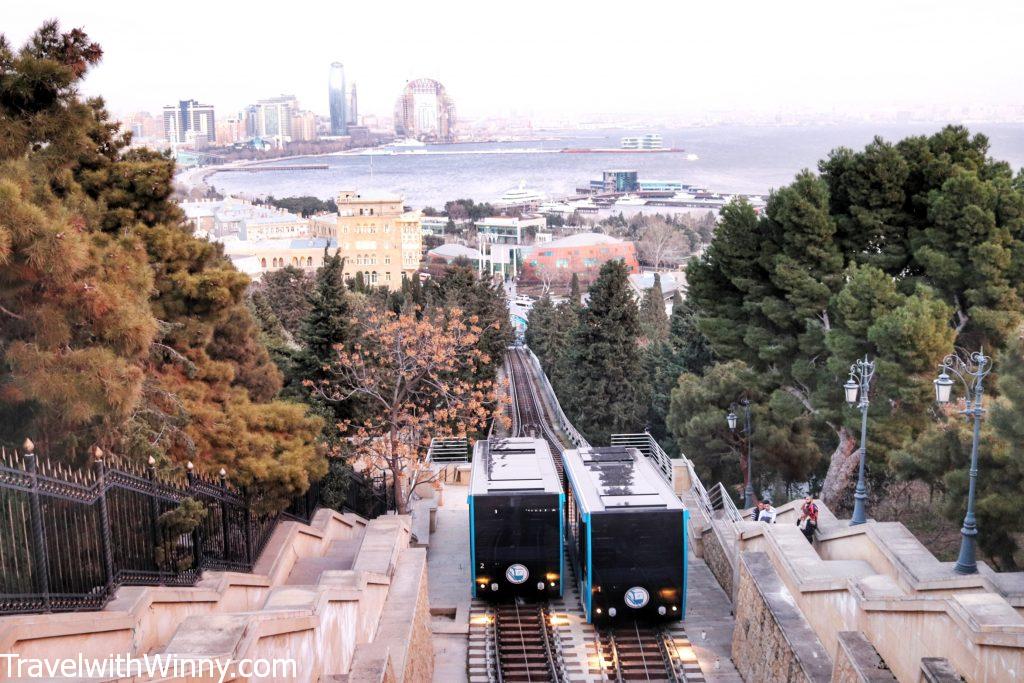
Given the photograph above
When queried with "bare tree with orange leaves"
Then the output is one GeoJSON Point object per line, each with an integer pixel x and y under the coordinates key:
{"type": "Point", "coordinates": [415, 376]}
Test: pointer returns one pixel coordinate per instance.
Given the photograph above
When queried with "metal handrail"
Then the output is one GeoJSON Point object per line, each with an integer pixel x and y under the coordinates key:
{"type": "Point", "coordinates": [721, 499]}
{"type": "Point", "coordinates": [448, 450]}
{"type": "Point", "coordinates": [549, 395]}
{"type": "Point", "coordinates": [649, 446]}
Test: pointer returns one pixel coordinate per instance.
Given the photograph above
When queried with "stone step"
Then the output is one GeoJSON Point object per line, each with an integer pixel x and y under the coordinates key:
{"type": "Point", "coordinates": [339, 555]}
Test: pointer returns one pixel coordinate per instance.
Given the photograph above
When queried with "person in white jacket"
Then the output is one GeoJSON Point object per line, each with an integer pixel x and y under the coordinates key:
{"type": "Point", "coordinates": [768, 513]}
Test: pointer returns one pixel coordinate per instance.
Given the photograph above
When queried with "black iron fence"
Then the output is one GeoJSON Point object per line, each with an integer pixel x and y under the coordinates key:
{"type": "Point", "coordinates": [69, 538]}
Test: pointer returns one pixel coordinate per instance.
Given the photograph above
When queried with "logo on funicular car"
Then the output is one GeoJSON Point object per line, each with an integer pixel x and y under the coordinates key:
{"type": "Point", "coordinates": [637, 597]}
{"type": "Point", "coordinates": [517, 574]}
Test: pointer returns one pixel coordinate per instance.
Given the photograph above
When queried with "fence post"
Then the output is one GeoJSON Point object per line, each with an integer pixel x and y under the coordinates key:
{"type": "Point", "coordinates": [224, 510]}
{"type": "Point", "coordinates": [40, 564]}
{"type": "Point", "coordinates": [154, 511]}
{"type": "Point", "coordinates": [108, 553]}
{"type": "Point", "coordinates": [197, 534]}
{"type": "Point", "coordinates": [247, 526]}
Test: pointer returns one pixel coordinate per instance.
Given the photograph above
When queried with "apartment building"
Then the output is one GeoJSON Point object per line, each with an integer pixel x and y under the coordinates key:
{"type": "Point", "coordinates": [377, 236]}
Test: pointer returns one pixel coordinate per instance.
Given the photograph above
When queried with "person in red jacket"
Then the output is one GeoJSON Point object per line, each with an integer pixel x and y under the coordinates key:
{"type": "Point", "coordinates": [808, 521]}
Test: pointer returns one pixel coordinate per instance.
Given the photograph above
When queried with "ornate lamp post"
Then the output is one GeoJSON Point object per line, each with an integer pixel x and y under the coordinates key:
{"type": "Point", "coordinates": [858, 387]}
{"type": "Point", "coordinates": [972, 372]}
{"type": "Point", "coordinates": [731, 419]}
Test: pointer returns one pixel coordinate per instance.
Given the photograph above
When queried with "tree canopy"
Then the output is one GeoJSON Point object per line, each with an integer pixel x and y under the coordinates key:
{"type": "Point", "coordinates": [898, 251]}
{"type": "Point", "coordinates": [120, 329]}
{"type": "Point", "coordinates": [603, 389]}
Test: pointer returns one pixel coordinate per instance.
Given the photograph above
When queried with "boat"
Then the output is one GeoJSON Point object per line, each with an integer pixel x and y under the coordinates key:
{"type": "Point", "coordinates": [408, 142]}
{"type": "Point", "coordinates": [520, 196]}
{"type": "Point", "coordinates": [630, 200]}
{"type": "Point", "coordinates": [648, 142]}
{"type": "Point", "coordinates": [584, 206]}
{"type": "Point", "coordinates": [620, 150]}
{"type": "Point", "coordinates": [554, 207]}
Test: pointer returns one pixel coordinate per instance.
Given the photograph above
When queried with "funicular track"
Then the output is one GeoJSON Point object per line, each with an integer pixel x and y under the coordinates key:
{"type": "Point", "coordinates": [639, 652]}
{"type": "Point", "coordinates": [522, 643]}
{"type": "Point", "coordinates": [528, 416]}
{"type": "Point", "coordinates": [524, 646]}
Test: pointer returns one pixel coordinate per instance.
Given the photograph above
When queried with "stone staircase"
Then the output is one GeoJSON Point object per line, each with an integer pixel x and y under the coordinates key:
{"type": "Point", "coordinates": [339, 555]}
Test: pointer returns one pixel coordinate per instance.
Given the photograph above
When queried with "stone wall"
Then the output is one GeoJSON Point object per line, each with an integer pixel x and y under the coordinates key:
{"type": "Point", "coordinates": [772, 642]}
{"type": "Point", "coordinates": [403, 644]}
{"type": "Point", "coordinates": [717, 561]}
{"type": "Point", "coordinates": [857, 661]}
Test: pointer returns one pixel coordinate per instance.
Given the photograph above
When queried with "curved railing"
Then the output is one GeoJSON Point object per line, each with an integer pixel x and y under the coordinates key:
{"type": "Point", "coordinates": [552, 400]}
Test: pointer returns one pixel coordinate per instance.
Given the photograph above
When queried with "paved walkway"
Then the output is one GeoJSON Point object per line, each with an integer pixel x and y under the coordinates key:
{"type": "Point", "coordinates": [448, 567]}
{"type": "Point", "coordinates": [710, 623]}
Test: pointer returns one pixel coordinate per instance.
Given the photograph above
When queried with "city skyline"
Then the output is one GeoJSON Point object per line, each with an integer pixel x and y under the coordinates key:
{"type": "Point", "coordinates": [916, 56]}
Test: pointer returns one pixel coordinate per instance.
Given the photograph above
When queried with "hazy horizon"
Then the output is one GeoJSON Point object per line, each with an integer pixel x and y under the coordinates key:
{"type": "Point", "coordinates": [571, 60]}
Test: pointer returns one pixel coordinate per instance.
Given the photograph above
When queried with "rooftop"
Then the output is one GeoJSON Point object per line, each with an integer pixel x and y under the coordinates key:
{"type": "Point", "coordinates": [356, 197]}
{"type": "Point", "coordinates": [583, 239]}
{"type": "Point", "coordinates": [641, 282]}
{"type": "Point", "coordinates": [267, 219]}
{"type": "Point", "coordinates": [237, 246]}
{"type": "Point", "coordinates": [513, 464]}
{"type": "Point", "coordinates": [510, 221]}
{"type": "Point", "coordinates": [617, 477]}
{"type": "Point", "coordinates": [455, 251]}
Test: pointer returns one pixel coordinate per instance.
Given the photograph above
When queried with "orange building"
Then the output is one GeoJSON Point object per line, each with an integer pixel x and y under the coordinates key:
{"type": "Point", "coordinates": [582, 254]}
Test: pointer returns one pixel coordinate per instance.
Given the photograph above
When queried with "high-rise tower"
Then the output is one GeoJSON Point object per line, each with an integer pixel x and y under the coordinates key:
{"type": "Point", "coordinates": [353, 106]}
{"type": "Point", "coordinates": [188, 116]}
{"type": "Point", "coordinates": [425, 111]}
{"type": "Point", "coordinates": [336, 93]}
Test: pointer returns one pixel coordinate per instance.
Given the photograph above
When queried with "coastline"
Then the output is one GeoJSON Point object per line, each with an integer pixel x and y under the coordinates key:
{"type": "Point", "coordinates": [198, 176]}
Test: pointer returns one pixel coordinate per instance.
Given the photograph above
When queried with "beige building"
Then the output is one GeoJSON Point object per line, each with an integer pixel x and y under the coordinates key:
{"type": "Point", "coordinates": [378, 237]}
{"type": "Point", "coordinates": [303, 126]}
{"type": "Point", "coordinates": [255, 257]}
{"type": "Point", "coordinates": [375, 236]}
{"type": "Point", "coordinates": [273, 224]}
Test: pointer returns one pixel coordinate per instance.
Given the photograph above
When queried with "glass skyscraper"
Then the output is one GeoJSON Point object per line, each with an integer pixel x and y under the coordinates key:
{"type": "Point", "coordinates": [339, 115]}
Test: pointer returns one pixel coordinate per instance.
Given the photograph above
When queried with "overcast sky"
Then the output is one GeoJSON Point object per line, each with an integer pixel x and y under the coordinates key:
{"type": "Point", "coordinates": [553, 57]}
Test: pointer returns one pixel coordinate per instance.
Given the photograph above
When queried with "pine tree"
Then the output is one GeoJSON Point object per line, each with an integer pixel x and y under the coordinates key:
{"type": "Point", "coordinates": [279, 343]}
{"type": "Point", "coordinates": [75, 324]}
{"type": "Point", "coordinates": [542, 334]}
{"type": "Point", "coordinates": [653, 320]}
{"type": "Point", "coordinates": [286, 291]}
{"type": "Point", "coordinates": [327, 325]}
{"type": "Point", "coordinates": [128, 332]}
{"type": "Point", "coordinates": [1000, 465]}
{"type": "Point", "coordinates": [575, 294]}
{"type": "Point", "coordinates": [897, 251]}
{"type": "Point", "coordinates": [686, 350]}
{"type": "Point", "coordinates": [783, 439]}
{"type": "Point", "coordinates": [602, 388]}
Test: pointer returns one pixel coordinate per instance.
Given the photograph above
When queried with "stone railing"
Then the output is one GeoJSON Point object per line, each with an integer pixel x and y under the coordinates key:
{"type": "Point", "coordinates": [142, 619]}
{"type": "Point", "coordinates": [875, 578]}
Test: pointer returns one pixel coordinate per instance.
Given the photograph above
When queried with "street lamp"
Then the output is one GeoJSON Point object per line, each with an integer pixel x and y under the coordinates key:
{"type": "Point", "coordinates": [731, 419]}
{"type": "Point", "coordinates": [858, 387]}
{"type": "Point", "coordinates": [972, 373]}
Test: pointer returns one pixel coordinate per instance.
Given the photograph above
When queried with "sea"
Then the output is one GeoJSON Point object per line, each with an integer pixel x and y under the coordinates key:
{"type": "Point", "coordinates": [728, 159]}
